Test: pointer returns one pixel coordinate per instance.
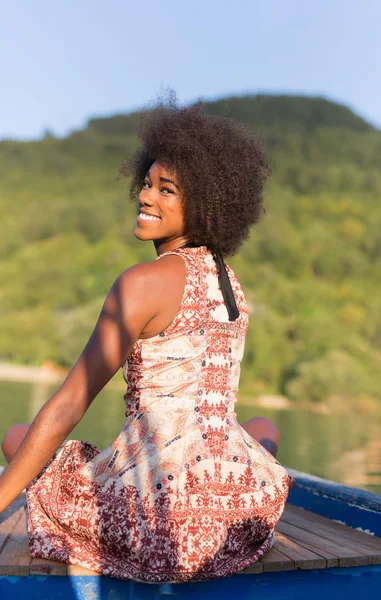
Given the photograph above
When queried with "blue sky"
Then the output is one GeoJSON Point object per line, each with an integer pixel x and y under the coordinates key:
{"type": "Point", "coordinates": [63, 62]}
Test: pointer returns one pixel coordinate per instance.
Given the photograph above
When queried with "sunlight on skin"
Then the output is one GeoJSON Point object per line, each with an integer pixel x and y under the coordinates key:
{"type": "Point", "coordinates": [161, 197]}
{"type": "Point", "coordinates": [137, 306]}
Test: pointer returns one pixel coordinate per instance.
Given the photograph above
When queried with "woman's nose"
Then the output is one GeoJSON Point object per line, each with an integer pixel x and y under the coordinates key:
{"type": "Point", "coordinates": [145, 197]}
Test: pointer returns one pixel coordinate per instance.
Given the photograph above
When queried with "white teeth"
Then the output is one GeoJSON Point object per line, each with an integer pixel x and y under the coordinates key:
{"type": "Point", "coordinates": [148, 217]}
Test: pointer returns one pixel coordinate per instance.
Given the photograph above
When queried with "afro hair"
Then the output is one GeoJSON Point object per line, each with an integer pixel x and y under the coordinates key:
{"type": "Point", "coordinates": [220, 165]}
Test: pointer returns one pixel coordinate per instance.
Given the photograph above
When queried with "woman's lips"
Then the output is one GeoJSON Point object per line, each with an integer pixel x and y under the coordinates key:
{"type": "Point", "coordinates": [144, 218]}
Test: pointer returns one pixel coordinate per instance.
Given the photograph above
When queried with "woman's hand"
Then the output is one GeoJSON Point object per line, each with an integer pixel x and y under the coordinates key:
{"type": "Point", "coordinates": [137, 298]}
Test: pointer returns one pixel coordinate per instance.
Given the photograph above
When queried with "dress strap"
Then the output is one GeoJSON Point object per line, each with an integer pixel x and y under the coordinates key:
{"type": "Point", "coordinates": [224, 282]}
{"type": "Point", "coordinates": [226, 287]}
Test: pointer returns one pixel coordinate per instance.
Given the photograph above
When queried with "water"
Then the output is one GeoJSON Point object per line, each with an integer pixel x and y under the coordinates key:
{"type": "Point", "coordinates": [344, 448]}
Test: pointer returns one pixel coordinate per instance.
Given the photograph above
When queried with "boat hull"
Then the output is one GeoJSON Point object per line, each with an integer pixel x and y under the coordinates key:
{"type": "Point", "coordinates": [337, 583]}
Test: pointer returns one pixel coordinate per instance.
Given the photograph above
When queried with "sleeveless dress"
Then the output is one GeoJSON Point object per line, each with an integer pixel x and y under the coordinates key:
{"type": "Point", "coordinates": [183, 493]}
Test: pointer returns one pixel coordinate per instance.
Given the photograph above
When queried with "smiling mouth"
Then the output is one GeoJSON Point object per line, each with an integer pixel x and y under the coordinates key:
{"type": "Point", "coordinates": [148, 218]}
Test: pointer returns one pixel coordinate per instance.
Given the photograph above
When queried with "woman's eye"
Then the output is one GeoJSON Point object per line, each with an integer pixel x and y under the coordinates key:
{"type": "Point", "coordinates": [146, 184]}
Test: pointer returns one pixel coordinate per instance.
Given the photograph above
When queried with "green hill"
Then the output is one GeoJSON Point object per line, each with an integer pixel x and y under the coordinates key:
{"type": "Point", "coordinates": [310, 270]}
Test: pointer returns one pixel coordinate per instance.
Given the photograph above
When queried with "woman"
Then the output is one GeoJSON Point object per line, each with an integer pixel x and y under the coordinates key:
{"type": "Point", "coordinates": [184, 492]}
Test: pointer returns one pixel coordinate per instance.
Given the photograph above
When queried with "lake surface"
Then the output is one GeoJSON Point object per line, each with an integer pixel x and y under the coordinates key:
{"type": "Point", "coordinates": [344, 448]}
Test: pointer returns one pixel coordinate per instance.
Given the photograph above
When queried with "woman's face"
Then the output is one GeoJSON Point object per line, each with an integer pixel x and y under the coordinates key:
{"type": "Point", "coordinates": [161, 217]}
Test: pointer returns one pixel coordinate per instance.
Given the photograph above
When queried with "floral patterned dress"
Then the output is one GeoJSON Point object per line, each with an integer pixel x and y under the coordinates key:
{"type": "Point", "coordinates": [183, 493]}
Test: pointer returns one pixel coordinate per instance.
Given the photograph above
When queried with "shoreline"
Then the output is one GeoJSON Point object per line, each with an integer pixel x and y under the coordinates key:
{"type": "Point", "coordinates": [50, 374]}
{"type": "Point", "coordinates": [47, 374]}
{"type": "Point", "coordinates": [30, 374]}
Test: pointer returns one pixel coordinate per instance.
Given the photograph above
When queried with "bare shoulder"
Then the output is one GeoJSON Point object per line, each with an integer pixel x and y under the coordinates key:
{"type": "Point", "coordinates": [158, 274]}
{"type": "Point", "coordinates": [141, 303]}
{"type": "Point", "coordinates": [156, 288]}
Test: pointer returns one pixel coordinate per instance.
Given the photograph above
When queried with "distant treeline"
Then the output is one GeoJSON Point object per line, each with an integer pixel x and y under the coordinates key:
{"type": "Point", "coordinates": [311, 270]}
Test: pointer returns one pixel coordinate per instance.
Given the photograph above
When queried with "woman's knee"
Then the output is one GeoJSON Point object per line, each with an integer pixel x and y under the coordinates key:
{"type": "Point", "coordinates": [264, 431]}
{"type": "Point", "coordinates": [13, 439]}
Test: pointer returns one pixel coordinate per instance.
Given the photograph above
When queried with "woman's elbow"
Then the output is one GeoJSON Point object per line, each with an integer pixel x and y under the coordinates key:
{"type": "Point", "coordinates": [61, 413]}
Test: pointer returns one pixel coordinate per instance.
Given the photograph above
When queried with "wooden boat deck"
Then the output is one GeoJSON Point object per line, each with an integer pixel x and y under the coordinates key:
{"type": "Point", "coordinates": [304, 540]}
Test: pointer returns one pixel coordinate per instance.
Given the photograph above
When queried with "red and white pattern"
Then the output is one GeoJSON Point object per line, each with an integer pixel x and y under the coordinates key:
{"type": "Point", "coordinates": [183, 493]}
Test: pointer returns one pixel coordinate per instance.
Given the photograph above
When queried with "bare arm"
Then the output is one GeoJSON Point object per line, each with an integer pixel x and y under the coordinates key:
{"type": "Point", "coordinates": [138, 296]}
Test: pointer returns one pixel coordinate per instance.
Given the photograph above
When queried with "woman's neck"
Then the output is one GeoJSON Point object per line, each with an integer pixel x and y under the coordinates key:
{"type": "Point", "coordinates": [162, 247]}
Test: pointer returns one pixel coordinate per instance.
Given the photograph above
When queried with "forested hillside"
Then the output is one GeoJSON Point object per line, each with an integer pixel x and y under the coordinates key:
{"type": "Point", "coordinates": [311, 269]}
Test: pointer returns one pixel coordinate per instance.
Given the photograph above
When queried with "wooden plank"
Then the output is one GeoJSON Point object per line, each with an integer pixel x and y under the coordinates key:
{"type": "Point", "coordinates": [44, 566]}
{"type": "Point", "coordinates": [302, 557]}
{"type": "Point", "coordinates": [331, 561]}
{"type": "Point", "coordinates": [79, 570]}
{"type": "Point", "coordinates": [15, 558]}
{"type": "Point", "coordinates": [255, 567]}
{"type": "Point", "coordinates": [361, 542]}
{"type": "Point", "coordinates": [290, 553]}
{"type": "Point", "coordinates": [322, 524]}
{"type": "Point", "coordinates": [334, 553]}
{"type": "Point", "coordinates": [9, 519]}
{"type": "Point", "coordinates": [274, 560]}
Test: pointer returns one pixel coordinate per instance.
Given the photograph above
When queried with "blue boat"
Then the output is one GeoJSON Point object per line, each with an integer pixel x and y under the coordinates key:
{"type": "Point", "coordinates": [328, 543]}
